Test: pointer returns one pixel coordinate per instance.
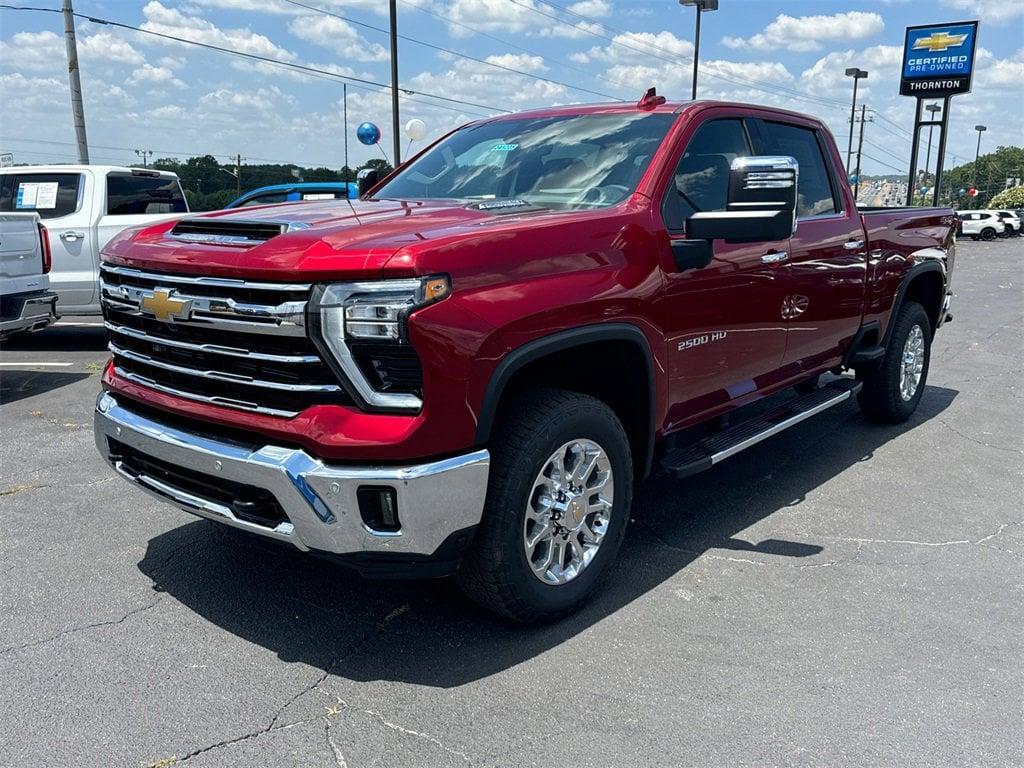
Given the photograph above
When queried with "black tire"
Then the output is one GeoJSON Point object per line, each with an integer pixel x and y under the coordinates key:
{"type": "Point", "coordinates": [880, 398]}
{"type": "Point", "coordinates": [496, 572]}
{"type": "Point", "coordinates": [988, 233]}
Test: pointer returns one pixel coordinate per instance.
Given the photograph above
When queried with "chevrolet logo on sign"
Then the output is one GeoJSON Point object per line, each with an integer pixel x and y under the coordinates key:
{"type": "Point", "coordinates": [939, 41]}
{"type": "Point", "coordinates": [164, 306]}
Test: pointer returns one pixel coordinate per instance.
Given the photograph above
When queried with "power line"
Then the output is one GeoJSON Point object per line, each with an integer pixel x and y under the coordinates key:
{"type": "Point", "coordinates": [451, 52]}
{"type": "Point", "coordinates": [265, 59]}
{"type": "Point", "coordinates": [516, 46]}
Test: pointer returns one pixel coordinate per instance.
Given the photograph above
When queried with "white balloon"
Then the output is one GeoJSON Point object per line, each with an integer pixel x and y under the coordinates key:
{"type": "Point", "coordinates": [415, 129]}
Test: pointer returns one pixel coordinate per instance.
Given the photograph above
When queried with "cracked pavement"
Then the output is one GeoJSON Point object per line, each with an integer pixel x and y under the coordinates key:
{"type": "Point", "coordinates": [843, 594]}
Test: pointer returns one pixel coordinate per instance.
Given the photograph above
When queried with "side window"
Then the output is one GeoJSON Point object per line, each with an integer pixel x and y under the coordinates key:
{"type": "Point", "coordinates": [701, 179]}
{"type": "Point", "coordinates": [267, 199]}
{"type": "Point", "coordinates": [128, 194]}
{"type": "Point", "coordinates": [51, 195]}
{"type": "Point", "coordinates": [814, 194]}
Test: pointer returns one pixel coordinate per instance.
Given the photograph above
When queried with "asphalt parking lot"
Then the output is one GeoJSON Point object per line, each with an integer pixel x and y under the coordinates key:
{"type": "Point", "coordinates": [843, 594]}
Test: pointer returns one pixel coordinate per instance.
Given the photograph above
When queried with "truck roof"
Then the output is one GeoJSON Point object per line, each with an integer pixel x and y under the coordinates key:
{"type": "Point", "coordinates": [615, 107]}
{"type": "Point", "coordinates": [77, 168]}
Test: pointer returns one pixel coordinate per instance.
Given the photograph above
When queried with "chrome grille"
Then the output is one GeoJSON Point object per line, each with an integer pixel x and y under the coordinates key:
{"type": "Point", "coordinates": [236, 343]}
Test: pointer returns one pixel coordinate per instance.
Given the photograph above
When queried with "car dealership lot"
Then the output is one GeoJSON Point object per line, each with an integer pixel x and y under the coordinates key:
{"type": "Point", "coordinates": [843, 594]}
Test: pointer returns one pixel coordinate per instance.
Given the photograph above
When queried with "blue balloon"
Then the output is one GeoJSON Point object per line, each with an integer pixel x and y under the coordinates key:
{"type": "Point", "coordinates": [853, 178]}
{"type": "Point", "coordinates": [368, 134]}
{"type": "Point", "coordinates": [962, 192]}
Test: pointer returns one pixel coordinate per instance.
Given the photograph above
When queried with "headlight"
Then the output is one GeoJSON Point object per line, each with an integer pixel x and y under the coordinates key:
{"type": "Point", "coordinates": [348, 316]}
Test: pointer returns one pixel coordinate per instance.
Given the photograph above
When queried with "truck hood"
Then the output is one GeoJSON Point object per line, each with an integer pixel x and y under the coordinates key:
{"type": "Point", "coordinates": [318, 239]}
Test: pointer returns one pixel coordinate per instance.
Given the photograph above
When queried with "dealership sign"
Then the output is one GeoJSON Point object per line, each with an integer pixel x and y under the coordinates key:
{"type": "Point", "coordinates": [938, 59]}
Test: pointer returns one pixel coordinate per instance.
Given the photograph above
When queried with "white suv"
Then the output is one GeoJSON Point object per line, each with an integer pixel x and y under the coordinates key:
{"type": "Point", "coordinates": [1010, 219]}
{"type": "Point", "coordinates": [980, 225]}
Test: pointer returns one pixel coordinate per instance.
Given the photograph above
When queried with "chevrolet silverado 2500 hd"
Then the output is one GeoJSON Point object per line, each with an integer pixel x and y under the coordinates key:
{"type": "Point", "coordinates": [466, 370]}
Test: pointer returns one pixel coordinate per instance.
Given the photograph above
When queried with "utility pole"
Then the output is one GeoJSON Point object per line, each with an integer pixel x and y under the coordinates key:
{"type": "Point", "coordinates": [344, 110]}
{"type": "Point", "coordinates": [238, 175]}
{"type": "Point", "coordinates": [977, 152]}
{"type": "Point", "coordinates": [860, 146]}
{"type": "Point", "coordinates": [856, 74]}
{"type": "Point", "coordinates": [75, 82]}
{"type": "Point", "coordinates": [394, 84]}
{"type": "Point", "coordinates": [143, 153]}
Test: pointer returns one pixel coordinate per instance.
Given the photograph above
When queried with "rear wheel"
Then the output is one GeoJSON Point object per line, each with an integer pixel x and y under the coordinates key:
{"type": "Point", "coordinates": [557, 506]}
{"type": "Point", "coordinates": [892, 391]}
{"type": "Point", "coordinates": [988, 233]}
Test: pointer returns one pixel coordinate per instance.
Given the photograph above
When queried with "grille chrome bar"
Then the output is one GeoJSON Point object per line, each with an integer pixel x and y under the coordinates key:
{"type": "Point", "coordinates": [210, 348]}
{"type": "Point", "coordinates": [235, 378]}
{"type": "Point", "coordinates": [213, 282]}
{"type": "Point", "coordinates": [230, 403]}
{"type": "Point", "coordinates": [288, 317]}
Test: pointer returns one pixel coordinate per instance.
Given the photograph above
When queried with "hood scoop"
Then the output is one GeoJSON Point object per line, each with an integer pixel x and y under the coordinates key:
{"type": "Point", "coordinates": [231, 231]}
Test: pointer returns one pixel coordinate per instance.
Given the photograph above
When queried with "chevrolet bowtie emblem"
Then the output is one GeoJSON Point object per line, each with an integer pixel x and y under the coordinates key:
{"type": "Point", "coordinates": [163, 306]}
{"type": "Point", "coordinates": [939, 41]}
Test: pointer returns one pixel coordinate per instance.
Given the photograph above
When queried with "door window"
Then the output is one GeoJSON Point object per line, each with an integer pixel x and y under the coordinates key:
{"type": "Point", "coordinates": [128, 194]}
{"type": "Point", "coordinates": [815, 196]}
{"type": "Point", "coordinates": [701, 179]}
{"type": "Point", "coordinates": [51, 195]}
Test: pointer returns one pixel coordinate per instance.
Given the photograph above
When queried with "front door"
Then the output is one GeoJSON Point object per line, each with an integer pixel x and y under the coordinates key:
{"type": "Point", "coordinates": [828, 254]}
{"type": "Point", "coordinates": [722, 323]}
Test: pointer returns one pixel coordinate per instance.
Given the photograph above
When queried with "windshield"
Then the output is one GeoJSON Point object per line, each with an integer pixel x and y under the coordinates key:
{"type": "Point", "coordinates": [580, 161]}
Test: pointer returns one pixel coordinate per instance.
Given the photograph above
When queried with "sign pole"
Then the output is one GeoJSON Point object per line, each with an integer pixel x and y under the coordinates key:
{"type": "Point", "coordinates": [942, 151]}
{"type": "Point", "coordinates": [912, 180]}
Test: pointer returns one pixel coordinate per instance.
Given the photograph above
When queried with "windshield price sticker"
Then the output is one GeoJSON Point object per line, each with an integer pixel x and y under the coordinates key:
{"type": "Point", "coordinates": [504, 147]}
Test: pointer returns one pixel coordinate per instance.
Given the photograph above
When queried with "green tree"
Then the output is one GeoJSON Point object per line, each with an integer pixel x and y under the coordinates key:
{"type": "Point", "coordinates": [1012, 198]}
{"type": "Point", "coordinates": [988, 177]}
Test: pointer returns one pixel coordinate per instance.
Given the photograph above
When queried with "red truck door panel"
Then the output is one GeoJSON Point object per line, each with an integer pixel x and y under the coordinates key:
{"type": "Point", "coordinates": [827, 256]}
{"type": "Point", "coordinates": [723, 330]}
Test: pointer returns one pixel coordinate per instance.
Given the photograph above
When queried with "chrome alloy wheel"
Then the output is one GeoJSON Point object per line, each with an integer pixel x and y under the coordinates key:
{"type": "Point", "coordinates": [568, 511]}
{"type": "Point", "coordinates": [912, 363]}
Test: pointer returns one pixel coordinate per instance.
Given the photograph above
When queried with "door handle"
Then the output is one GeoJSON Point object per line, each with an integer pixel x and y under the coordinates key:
{"type": "Point", "coordinates": [71, 236]}
{"type": "Point", "coordinates": [853, 245]}
{"type": "Point", "coordinates": [775, 257]}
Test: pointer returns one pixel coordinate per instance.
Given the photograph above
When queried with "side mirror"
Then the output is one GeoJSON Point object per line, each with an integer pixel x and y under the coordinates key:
{"type": "Point", "coordinates": [366, 180]}
{"type": "Point", "coordinates": [761, 205]}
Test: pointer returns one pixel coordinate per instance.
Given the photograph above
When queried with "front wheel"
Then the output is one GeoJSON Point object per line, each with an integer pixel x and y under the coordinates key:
{"type": "Point", "coordinates": [557, 506]}
{"type": "Point", "coordinates": [892, 391]}
{"type": "Point", "coordinates": [988, 233]}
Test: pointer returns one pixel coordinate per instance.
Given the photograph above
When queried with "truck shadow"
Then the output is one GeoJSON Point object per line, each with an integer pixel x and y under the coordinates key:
{"type": "Point", "coordinates": [16, 385]}
{"type": "Point", "coordinates": [426, 633]}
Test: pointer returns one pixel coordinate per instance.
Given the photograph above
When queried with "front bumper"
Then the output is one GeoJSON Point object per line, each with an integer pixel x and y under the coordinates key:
{"type": "Point", "coordinates": [29, 312]}
{"type": "Point", "coordinates": [436, 500]}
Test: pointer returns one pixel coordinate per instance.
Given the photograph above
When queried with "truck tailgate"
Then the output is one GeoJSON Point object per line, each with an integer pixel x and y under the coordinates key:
{"type": "Point", "coordinates": [21, 259]}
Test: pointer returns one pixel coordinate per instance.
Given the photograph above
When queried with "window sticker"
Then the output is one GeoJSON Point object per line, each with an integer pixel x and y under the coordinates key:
{"type": "Point", "coordinates": [317, 195]}
{"type": "Point", "coordinates": [504, 147]}
{"type": "Point", "coordinates": [38, 196]}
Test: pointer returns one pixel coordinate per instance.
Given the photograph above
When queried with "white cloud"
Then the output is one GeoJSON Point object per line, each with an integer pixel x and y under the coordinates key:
{"type": "Point", "coordinates": [988, 10]}
{"type": "Point", "coordinates": [639, 47]}
{"type": "Point", "coordinates": [336, 35]}
{"type": "Point", "coordinates": [281, 7]}
{"type": "Point", "coordinates": [521, 61]}
{"type": "Point", "coordinates": [147, 74]}
{"type": "Point", "coordinates": [523, 16]}
{"type": "Point", "coordinates": [826, 75]}
{"type": "Point", "coordinates": [806, 33]}
{"type": "Point", "coordinates": [170, 21]}
{"type": "Point", "coordinates": [592, 8]}
{"type": "Point", "coordinates": [107, 46]}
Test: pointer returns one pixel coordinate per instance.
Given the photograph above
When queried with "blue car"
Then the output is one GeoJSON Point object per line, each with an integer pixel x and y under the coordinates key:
{"type": "Point", "coordinates": [287, 193]}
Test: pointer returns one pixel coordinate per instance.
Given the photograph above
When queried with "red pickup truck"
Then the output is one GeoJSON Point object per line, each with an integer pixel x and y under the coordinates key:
{"type": "Point", "coordinates": [467, 370]}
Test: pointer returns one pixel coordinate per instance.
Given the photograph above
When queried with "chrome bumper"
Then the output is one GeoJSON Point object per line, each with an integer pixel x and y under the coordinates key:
{"type": "Point", "coordinates": [435, 499]}
{"type": "Point", "coordinates": [34, 312]}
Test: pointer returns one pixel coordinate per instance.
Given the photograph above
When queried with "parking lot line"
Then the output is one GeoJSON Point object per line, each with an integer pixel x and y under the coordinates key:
{"type": "Point", "coordinates": [28, 364]}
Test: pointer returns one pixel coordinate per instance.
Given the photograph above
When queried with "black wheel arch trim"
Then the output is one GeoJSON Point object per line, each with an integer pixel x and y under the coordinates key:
{"type": "Point", "coordinates": [533, 350]}
{"type": "Point", "coordinates": [912, 274]}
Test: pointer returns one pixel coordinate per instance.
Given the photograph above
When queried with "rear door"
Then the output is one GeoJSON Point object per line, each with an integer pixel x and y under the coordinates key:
{"type": "Point", "coordinates": [824, 303]}
{"type": "Point", "coordinates": [722, 325]}
{"type": "Point", "coordinates": [61, 200]}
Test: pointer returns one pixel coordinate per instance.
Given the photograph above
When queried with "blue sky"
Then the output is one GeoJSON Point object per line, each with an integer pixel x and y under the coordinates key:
{"type": "Point", "coordinates": [143, 92]}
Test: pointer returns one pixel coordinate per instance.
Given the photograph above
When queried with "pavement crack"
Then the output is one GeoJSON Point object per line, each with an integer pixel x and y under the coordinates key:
{"type": "Point", "coordinates": [83, 628]}
{"type": "Point", "coordinates": [978, 441]}
{"type": "Point", "coordinates": [339, 757]}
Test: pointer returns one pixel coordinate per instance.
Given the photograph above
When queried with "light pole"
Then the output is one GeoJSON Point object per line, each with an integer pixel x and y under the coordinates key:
{"type": "Point", "coordinates": [856, 74]}
{"type": "Point", "coordinates": [144, 153]}
{"type": "Point", "coordinates": [397, 140]}
{"type": "Point", "coordinates": [977, 152]}
{"type": "Point", "coordinates": [700, 5]}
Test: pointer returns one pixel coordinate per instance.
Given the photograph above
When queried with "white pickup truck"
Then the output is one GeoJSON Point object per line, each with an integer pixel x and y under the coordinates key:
{"type": "Point", "coordinates": [26, 304]}
{"type": "Point", "coordinates": [83, 207]}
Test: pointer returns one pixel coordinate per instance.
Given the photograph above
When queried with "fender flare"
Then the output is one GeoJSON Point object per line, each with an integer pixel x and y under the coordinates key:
{"type": "Point", "coordinates": [912, 274]}
{"type": "Point", "coordinates": [533, 350]}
